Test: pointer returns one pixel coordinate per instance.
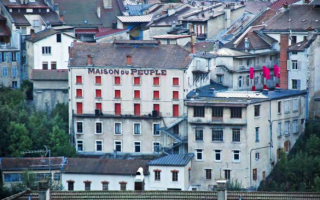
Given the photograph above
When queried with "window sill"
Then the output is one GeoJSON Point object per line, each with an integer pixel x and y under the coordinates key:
{"type": "Point", "coordinates": [175, 85]}
{"type": "Point", "coordinates": [98, 84]}
{"type": "Point", "coordinates": [198, 160]}
{"type": "Point", "coordinates": [137, 134]}
{"type": "Point", "coordinates": [235, 142]}
{"type": "Point", "coordinates": [279, 113]}
{"type": "Point", "coordinates": [117, 134]}
{"type": "Point", "coordinates": [117, 98]}
{"type": "Point", "coordinates": [155, 99]}
{"type": "Point", "coordinates": [256, 117]}
{"type": "Point", "coordinates": [218, 161]}
{"type": "Point", "coordinates": [98, 133]}
{"type": "Point", "coordinates": [217, 141]}
{"type": "Point", "coordinates": [117, 84]}
{"type": "Point", "coordinates": [79, 97]}
{"type": "Point", "coordinates": [175, 99]}
{"type": "Point", "coordinates": [199, 141]}
{"type": "Point", "coordinates": [136, 84]}
{"type": "Point", "coordinates": [79, 83]}
{"type": "Point", "coordinates": [287, 112]}
{"type": "Point", "coordinates": [136, 98]}
{"type": "Point", "coordinates": [236, 162]}
{"type": "Point", "coordinates": [294, 111]}
{"type": "Point", "coordinates": [257, 141]}
{"type": "Point", "coordinates": [98, 97]}
{"type": "Point", "coordinates": [157, 135]}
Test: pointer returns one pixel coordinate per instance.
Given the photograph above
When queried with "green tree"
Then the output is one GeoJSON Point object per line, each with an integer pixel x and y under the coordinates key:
{"type": "Point", "coordinates": [60, 143]}
{"type": "Point", "coordinates": [19, 139]}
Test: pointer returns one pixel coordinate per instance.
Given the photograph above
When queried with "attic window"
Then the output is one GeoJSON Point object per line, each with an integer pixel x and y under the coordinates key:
{"type": "Point", "coordinates": [32, 1]}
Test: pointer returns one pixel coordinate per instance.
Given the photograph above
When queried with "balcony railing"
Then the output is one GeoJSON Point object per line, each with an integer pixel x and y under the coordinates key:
{"type": "Point", "coordinates": [98, 113]}
{"type": "Point", "coordinates": [200, 68]}
{"type": "Point", "coordinates": [217, 120]}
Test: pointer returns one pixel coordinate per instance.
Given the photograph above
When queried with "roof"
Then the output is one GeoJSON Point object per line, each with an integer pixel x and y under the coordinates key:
{"type": "Point", "coordinates": [279, 4]}
{"type": "Point", "coordinates": [17, 4]}
{"type": "Point", "coordinates": [255, 7]}
{"type": "Point", "coordinates": [130, 19]}
{"type": "Point", "coordinates": [83, 13]}
{"type": "Point", "coordinates": [49, 75]}
{"type": "Point", "coordinates": [265, 17]}
{"type": "Point", "coordinates": [42, 34]}
{"type": "Point", "coordinates": [144, 55]}
{"type": "Point", "coordinates": [49, 17]}
{"type": "Point", "coordinates": [205, 14]}
{"type": "Point", "coordinates": [207, 91]}
{"type": "Point", "coordinates": [194, 195]}
{"type": "Point", "coordinates": [108, 31]}
{"type": "Point", "coordinates": [36, 163]}
{"type": "Point", "coordinates": [300, 46]}
{"type": "Point", "coordinates": [137, 9]}
{"type": "Point", "coordinates": [104, 166]}
{"type": "Point", "coordinates": [172, 160]}
{"type": "Point", "coordinates": [227, 52]}
{"type": "Point", "coordinates": [201, 46]}
{"type": "Point", "coordinates": [170, 36]}
{"type": "Point", "coordinates": [4, 29]}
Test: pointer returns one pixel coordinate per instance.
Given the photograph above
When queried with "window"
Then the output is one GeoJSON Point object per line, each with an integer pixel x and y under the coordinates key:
{"type": "Point", "coordinates": [257, 110]}
{"type": "Point", "coordinates": [98, 107]}
{"type": "Point", "coordinates": [257, 155]}
{"type": "Point", "coordinates": [137, 109]}
{"type": "Point", "coordinates": [137, 147]}
{"type": "Point", "coordinates": [175, 95]}
{"type": "Point", "coordinates": [36, 23]}
{"type": "Point", "coordinates": [227, 174]}
{"type": "Point", "coordinates": [287, 128]}
{"type": "Point", "coordinates": [156, 107]}
{"type": "Point", "coordinates": [220, 79]}
{"type": "Point", "coordinates": [156, 81]}
{"type": "Point", "coordinates": [117, 94]}
{"type": "Point", "coordinates": [136, 94]}
{"type": "Point", "coordinates": [136, 81]}
{"type": "Point", "coordinates": [295, 84]}
{"type": "Point", "coordinates": [79, 127]}
{"type": "Point", "coordinates": [15, 56]}
{"type": "Point", "coordinates": [236, 156]}
{"type": "Point", "coordinates": [123, 186]}
{"type": "Point", "coordinates": [156, 146]}
{"type": "Point", "coordinates": [87, 185]}
{"type": "Point", "coordinates": [56, 176]}
{"type": "Point", "coordinates": [79, 93]}
{"type": "Point", "coordinates": [105, 185]}
{"type": "Point", "coordinates": [41, 176]}
{"type": "Point", "coordinates": [217, 112]}
{"type": "Point", "coordinates": [175, 81]}
{"type": "Point", "coordinates": [79, 145]}
{"type": "Point", "coordinates": [58, 37]}
{"type": "Point", "coordinates": [14, 71]}
{"type": "Point", "coordinates": [263, 175]}
{"type": "Point", "coordinates": [217, 155]}
{"type": "Point", "coordinates": [257, 134]}
{"type": "Point", "coordinates": [70, 185]}
{"type": "Point", "coordinates": [98, 145]}
{"type": "Point", "coordinates": [295, 126]}
{"type": "Point", "coordinates": [287, 146]}
{"type": "Point", "coordinates": [156, 94]}
{"type": "Point", "coordinates": [78, 79]}
{"type": "Point", "coordinates": [46, 50]}
{"type": "Point", "coordinates": [117, 80]}
{"type": "Point", "coordinates": [12, 177]}
{"type": "Point", "coordinates": [208, 174]}
{"type": "Point", "coordinates": [294, 105]}
{"type": "Point", "coordinates": [157, 175]}
{"type": "Point", "coordinates": [117, 108]}
{"type": "Point", "coordinates": [98, 93]}
{"type": "Point", "coordinates": [175, 112]}
{"type": "Point", "coordinates": [136, 128]}
{"type": "Point", "coordinates": [79, 108]}
{"type": "Point", "coordinates": [293, 39]}
{"type": "Point", "coordinates": [98, 80]}
{"type": "Point", "coordinates": [14, 84]}
{"type": "Point", "coordinates": [199, 154]}
{"type": "Point", "coordinates": [174, 175]}
{"type": "Point", "coordinates": [254, 174]}
{"type": "Point", "coordinates": [287, 106]}
{"type": "Point", "coordinates": [240, 82]}
{"type": "Point", "coordinates": [156, 128]}
{"type": "Point", "coordinates": [118, 146]}
{"type": "Point", "coordinates": [235, 135]}
{"type": "Point", "coordinates": [117, 128]}
{"type": "Point", "coordinates": [279, 107]}
{"type": "Point", "coordinates": [294, 64]}
{"type": "Point", "coordinates": [199, 135]}
{"type": "Point", "coordinates": [236, 112]}
{"type": "Point", "coordinates": [217, 135]}
{"type": "Point", "coordinates": [198, 111]}
{"type": "Point", "coordinates": [279, 129]}
{"type": "Point", "coordinates": [44, 65]}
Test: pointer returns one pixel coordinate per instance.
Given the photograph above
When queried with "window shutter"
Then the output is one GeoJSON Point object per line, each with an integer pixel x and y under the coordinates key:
{"type": "Point", "coordinates": [98, 93]}
{"type": "Point", "coordinates": [18, 56]}
{"type": "Point", "coordinates": [117, 80]}
{"type": "Point", "coordinates": [137, 109]}
{"type": "Point", "coordinates": [79, 108]}
{"type": "Point", "coordinates": [0, 57]}
{"type": "Point", "coordinates": [298, 84]}
{"type": "Point", "coordinates": [5, 57]}
{"type": "Point", "coordinates": [289, 64]}
{"type": "Point", "coordinates": [98, 79]}
{"type": "Point", "coordinates": [156, 95]}
{"type": "Point", "coordinates": [117, 109]}
{"type": "Point", "coordinates": [10, 56]}
{"type": "Point", "coordinates": [117, 94]}
{"type": "Point", "coordinates": [99, 106]}
{"type": "Point", "coordinates": [298, 65]}
{"type": "Point", "coordinates": [175, 95]}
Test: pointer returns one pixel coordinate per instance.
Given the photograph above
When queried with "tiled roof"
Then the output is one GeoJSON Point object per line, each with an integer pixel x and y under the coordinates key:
{"type": "Point", "coordinates": [18, 164]}
{"type": "Point", "coordinates": [298, 46]}
{"type": "Point", "coordinates": [230, 52]}
{"type": "Point", "coordinates": [207, 91]}
{"type": "Point", "coordinates": [279, 4]}
{"type": "Point", "coordinates": [255, 7]}
{"type": "Point", "coordinates": [49, 75]}
{"type": "Point", "coordinates": [205, 14]}
{"type": "Point", "coordinates": [201, 46]}
{"type": "Point", "coordinates": [262, 19]}
{"type": "Point", "coordinates": [104, 166]}
{"type": "Point", "coordinates": [137, 9]}
{"type": "Point", "coordinates": [172, 160]}
{"type": "Point", "coordinates": [42, 34]}
{"type": "Point", "coordinates": [144, 54]}
{"type": "Point", "coordinates": [4, 29]}
{"type": "Point", "coordinates": [315, 2]}
{"type": "Point", "coordinates": [51, 17]}
{"type": "Point", "coordinates": [170, 36]}
{"type": "Point", "coordinates": [140, 18]}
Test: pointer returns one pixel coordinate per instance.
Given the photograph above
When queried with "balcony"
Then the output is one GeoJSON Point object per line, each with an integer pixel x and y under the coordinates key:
{"type": "Point", "coordinates": [218, 120]}
{"type": "Point", "coordinates": [143, 115]}
{"type": "Point", "coordinates": [200, 68]}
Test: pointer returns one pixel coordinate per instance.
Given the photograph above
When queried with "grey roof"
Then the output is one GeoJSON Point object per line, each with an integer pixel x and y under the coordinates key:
{"type": "Point", "coordinates": [42, 34]}
{"type": "Point", "coordinates": [36, 163]}
{"type": "Point", "coordinates": [172, 160]}
{"type": "Point", "coordinates": [207, 91]}
{"type": "Point", "coordinates": [229, 52]}
{"type": "Point", "coordinates": [50, 75]}
{"type": "Point", "coordinates": [137, 9]}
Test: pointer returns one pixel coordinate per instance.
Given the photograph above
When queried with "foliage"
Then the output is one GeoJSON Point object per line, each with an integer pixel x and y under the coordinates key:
{"type": "Point", "coordinates": [234, 185]}
{"type": "Point", "coordinates": [300, 170]}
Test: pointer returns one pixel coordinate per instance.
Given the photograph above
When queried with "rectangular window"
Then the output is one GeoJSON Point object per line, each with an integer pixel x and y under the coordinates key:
{"type": "Point", "coordinates": [56, 176]}
{"type": "Point", "coordinates": [217, 112]}
{"type": "Point", "coordinates": [257, 110]}
{"type": "Point", "coordinates": [156, 147]}
{"type": "Point", "coordinates": [98, 127]}
{"type": "Point", "coordinates": [98, 79]}
{"type": "Point", "coordinates": [217, 155]}
{"type": "Point", "coordinates": [137, 94]}
{"type": "Point", "coordinates": [175, 112]}
{"type": "Point", "coordinates": [98, 93]}
{"type": "Point", "coordinates": [58, 37]}
{"type": "Point", "coordinates": [136, 128]}
{"type": "Point", "coordinates": [156, 107]}
{"type": "Point", "coordinates": [208, 174]}
{"type": "Point", "coordinates": [295, 126]}
{"type": "Point", "coordinates": [279, 107]}
{"type": "Point", "coordinates": [157, 175]}
{"type": "Point", "coordinates": [105, 186]}
{"type": "Point", "coordinates": [198, 111]}
{"type": "Point", "coordinates": [117, 94]}
{"type": "Point", "coordinates": [294, 64]}
{"type": "Point", "coordinates": [12, 177]}
{"type": "Point", "coordinates": [46, 50]}
{"type": "Point", "coordinates": [78, 79]}
{"type": "Point", "coordinates": [235, 135]}
{"type": "Point", "coordinates": [79, 127]}
{"type": "Point", "coordinates": [14, 84]}
{"type": "Point", "coordinates": [79, 145]}
{"type": "Point", "coordinates": [117, 128]}
{"type": "Point", "coordinates": [199, 156]}
{"type": "Point", "coordinates": [79, 108]}
{"type": "Point", "coordinates": [257, 134]}
{"type": "Point", "coordinates": [220, 79]}
{"type": "Point", "coordinates": [217, 135]}
{"type": "Point", "coordinates": [36, 23]}
{"type": "Point", "coordinates": [295, 84]}
{"type": "Point", "coordinates": [44, 65]}
{"type": "Point", "coordinates": [123, 186]}
{"type": "Point", "coordinates": [236, 112]}
{"type": "Point", "coordinates": [199, 135]}
{"type": "Point", "coordinates": [118, 146]}
{"type": "Point", "coordinates": [98, 146]}
{"type": "Point", "coordinates": [175, 95]}
{"type": "Point", "coordinates": [117, 80]}
{"type": "Point", "coordinates": [175, 176]}
{"type": "Point", "coordinates": [137, 81]}
{"type": "Point", "coordinates": [70, 185]}
{"type": "Point", "coordinates": [287, 106]}
{"type": "Point", "coordinates": [156, 128]}
{"type": "Point", "coordinates": [295, 105]}
{"type": "Point", "coordinates": [236, 156]}
{"type": "Point", "coordinates": [279, 129]}
{"type": "Point", "coordinates": [287, 128]}
{"type": "Point", "coordinates": [117, 108]}
{"type": "Point", "coordinates": [14, 71]}
{"type": "Point", "coordinates": [79, 93]}
{"type": "Point", "coordinates": [254, 174]}
{"type": "Point", "coordinates": [87, 185]}
{"type": "Point", "coordinates": [257, 155]}
{"type": "Point", "coordinates": [227, 174]}
{"type": "Point", "coordinates": [137, 147]}
{"type": "Point", "coordinates": [156, 94]}
{"type": "Point", "coordinates": [99, 106]}
{"type": "Point", "coordinates": [175, 81]}
{"type": "Point", "coordinates": [137, 109]}
{"type": "Point", "coordinates": [156, 81]}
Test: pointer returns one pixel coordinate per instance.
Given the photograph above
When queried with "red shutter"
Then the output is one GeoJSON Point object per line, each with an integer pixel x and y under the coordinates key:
{"type": "Point", "coordinates": [137, 94]}
{"type": "Point", "coordinates": [98, 79]}
{"type": "Point", "coordinates": [117, 80]}
{"type": "Point", "coordinates": [137, 80]}
{"type": "Point", "coordinates": [156, 81]}
{"type": "Point", "coordinates": [79, 108]}
{"type": "Point", "coordinates": [156, 95]}
{"type": "Point", "coordinates": [79, 92]}
{"type": "Point", "coordinates": [137, 109]}
{"type": "Point", "coordinates": [175, 81]}
{"type": "Point", "coordinates": [117, 94]}
{"type": "Point", "coordinates": [156, 107]}
{"type": "Point", "coordinates": [175, 95]}
{"type": "Point", "coordinates": [117, 109]}
{"type": "Point", "coordinates": [99, 106]}
{"type": "Point", "coordinates": [98, 93]}
{"type": "Point", "coordinates": [79, 79]}
{"type": "Point", "coordinates": [175, 110]}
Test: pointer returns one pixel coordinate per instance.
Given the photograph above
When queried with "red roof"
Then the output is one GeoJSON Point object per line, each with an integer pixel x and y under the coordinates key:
{"type": "Point", "coordinates": [108, 31]}
{"type": "Point", "coordinates": [279, 4]}
{"type": "Point", "coordinates": [86, 31]}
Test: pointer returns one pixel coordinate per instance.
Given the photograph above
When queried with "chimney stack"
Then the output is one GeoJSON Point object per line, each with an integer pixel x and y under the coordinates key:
{"type": "Point", "coordinates": [32, 33]}
{"type": "Point", "coordinates": [44, 189]}
{"type": "Point", "coordinates": [222, 189]}
{"type": "Point", "coordinates": [107, 4]}
{"type": "Point", "coordinates": [193, 48]}
{"type": "Point", "coordinates": [284, 43]}
{"type": "Point", "coordinates": [89, 60]}
{"type": "Point", "coordinates": [61, 18]}
{"type": "Point", "coordinates": [129, 60]}
{"type": "Point", "coordinates": [99, 10]}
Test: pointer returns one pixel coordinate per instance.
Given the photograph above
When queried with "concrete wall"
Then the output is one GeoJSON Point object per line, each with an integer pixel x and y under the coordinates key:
{"type": "Point", "coordinates": [159, 30]}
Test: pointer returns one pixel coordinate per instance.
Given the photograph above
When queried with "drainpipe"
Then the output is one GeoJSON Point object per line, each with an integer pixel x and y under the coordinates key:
{"type": "Point", "coordinates": [271, 142]}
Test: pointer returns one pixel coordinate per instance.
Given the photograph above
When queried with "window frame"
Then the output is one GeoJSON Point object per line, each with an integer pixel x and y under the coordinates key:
{"type": "Point", "coordinates": [218, 138]}
{"type": "Point", "coordinates": [97, 82]}
{"type": "Point", "coordinates": [157, 175]}
{"type": "Point", "coordinates": [96, 145]}
{"type": "Point", "coordinates": [134, 146]}
{"type": "Point", "coordinates": [46, 50]}
{"type": "Point", "coordinates": [199, 111]}
{"type": "Point", "coordinates": [87, 185]}
{"type": "Point", "coordinates": [200, 151]}
{"type": "Point", "coordinates": [96, 127]}
{"type": "Point", "coordinates": [218, 112]}
{"type": "Point", "coordinates": [76, 79]}
{"type": "Point", "coordinates": [257, 134]}
{"type": "Point", "coordinates": [287, 101]}
{"type": "Point", "coordinates": [153, 82]}
{"type": "Point", "coordinates": [134, 128]}
{"type": "Point", "coordinates": [175, 175]}
{"type": "Point", "coordinates": [134, 94]}
{"type": "Point", "coordinates": [153, 146]}
{"type": "Point", "coordinates": [77, 126]}
{"type": "Point", "coordinates": [196, 138]}
{"type": "Point", "coordinates": [154, 131]}
{"type": "Point", "coordinates": [279, 107]}
{"type": "Point", "coordinates": [216, 152]}
{"type": "Point", "coordinates": [236, 133]}
{"type": "Point", "coordinates": [77, 143]}
{"type": "Point", "coordinates": [208, 174]}
{"type": "Point", "coordinates": [134, 78]}
{"type": "Point", "coordinates": [115, 125]}
{"type": "Point", "coordinates": [257, 110]}
{"type": "Point", "coordinates": [234, 153]}
{"type": "Point", "coordinates": [173, 78]}
{"type": "Point", "coordinates": [295, 105]}
{"type": "Point", "coordinates": [115, 145]}
{"type": "Point", "coordinates": [234, 112]}
{"type": "Point", "coordinates": [115, 80]}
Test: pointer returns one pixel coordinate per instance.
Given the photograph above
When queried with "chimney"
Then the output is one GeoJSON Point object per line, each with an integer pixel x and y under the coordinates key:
{"type": "Point", "coordinates": [285, 5]}
{"type": "Point", "coordinates": [246, 44]}
{"type": "Point", "coordinates": [193, 38]}
{"type": "Point", "coordinates": [61, 18]}
{"type": "Point", "coordinates": [99, 10]}
{"type": "Point", "coordinates": [193, 48]}
{"type": "Point", "coordinates": [89, 60]}
{"type": "Point", "coordinates": [222, 189]}
{"type": "Point", "coordinates": [227, 16]}
{"type": "Point", "coordinates": [284, 43]}
{"type": "Point", "coordinates": [107, 4]}
{"type": "Point", "coordinates": [129, 60]}
{"type": "Point", "coordinates": [32, 33]}
{"type": "Point", "coordinates": [44, 189]}
{"type": "Point", "coordinates": [191, 28]}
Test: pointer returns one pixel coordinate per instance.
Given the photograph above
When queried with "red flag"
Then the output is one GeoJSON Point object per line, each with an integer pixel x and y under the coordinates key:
{"type": "Point", "coordinates": [275, 70]}
{"type": "Point", "coordinates": [251, 73]}
{"type": "Point", "coordinates": [267, 70]}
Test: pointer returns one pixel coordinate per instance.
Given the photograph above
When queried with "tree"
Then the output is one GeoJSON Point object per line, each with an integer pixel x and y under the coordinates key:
{"type": "Point", "coordinates": [60, 143]}
{"type": "Point", "coordinates": [19, 139]}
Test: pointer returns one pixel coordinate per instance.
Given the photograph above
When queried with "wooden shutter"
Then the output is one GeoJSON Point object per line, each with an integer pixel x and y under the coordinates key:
{"type": "Point", "coordinates": [79, 92]}
{"type": "Point", "coordinates": [175, 110]}
{"type": "Point", "coordinates": [156, 107]}
{"type": "Point", "coordinates": [156, 81]}
{"type": "Point", "coordinates": [156, 95]}
{"type": "Point", "coordinates": [79, 108]}
{"type": "Point", "coordinates": [117, 94]}
{"type": "Point", "coordinates": [289, 64]}
{"type": "Point", "coordinates": [175, 94]}
{"type": "Point", "coordinates": [117, 80]}
{"type": "Point", "coordinates": [298, 84]}
{"type": "Point", "coordinates": [99, 106]}
{"type": "Point", "coordinates": [136, 80]}
{"type": "Point", "coordinates": [98, 93]}
{"type": "Point", "coordinates": [137, 109]}
{"type": "Point", "coordinates": [137, 94]}
{"type": "Point", "coordinates": [117, 109]}
{"type": "Point", "coordinates": [175, 81]}
{"type": "Point", "coordinates": [98, 79]}
{"type": "Point", "coordinates": [79, 79]}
